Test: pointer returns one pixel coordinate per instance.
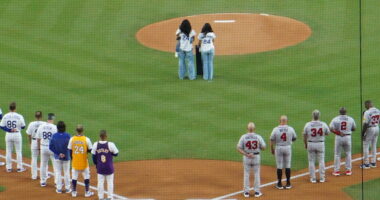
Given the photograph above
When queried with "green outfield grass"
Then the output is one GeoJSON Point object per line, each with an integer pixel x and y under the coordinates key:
{"type": "Point", "coordinates": [2, 188]}
{"type": "Point", "coordinates": [80, 60]}
{"type": "Point", "coordinates": [370, 191]}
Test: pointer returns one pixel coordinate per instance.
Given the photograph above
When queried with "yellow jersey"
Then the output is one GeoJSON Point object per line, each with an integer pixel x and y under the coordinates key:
{"type": "Point", "coordinates": [79, 146]}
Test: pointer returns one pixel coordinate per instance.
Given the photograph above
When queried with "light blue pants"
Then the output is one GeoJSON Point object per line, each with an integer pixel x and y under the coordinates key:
{"type": "Point", "coordinates": [186, 57]}
{"type": "Point", "coordinates": [208, 64]}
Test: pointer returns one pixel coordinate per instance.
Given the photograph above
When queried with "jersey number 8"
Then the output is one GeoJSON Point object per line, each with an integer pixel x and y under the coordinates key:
{"type": "Point", "coordinates": [103, 158]}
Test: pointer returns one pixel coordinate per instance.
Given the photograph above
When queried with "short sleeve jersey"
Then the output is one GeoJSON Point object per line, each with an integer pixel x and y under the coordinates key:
{"type": "Point", "coordinates": [372, 117]}
{"type": "Point", "coordinates": [251, 143]}
{"type": "Point", "coordinates": [343, 124]}
{"type": "Point", "coordinates": [316, 131]}
{"type": "Point", "coordinates": [283, 135]}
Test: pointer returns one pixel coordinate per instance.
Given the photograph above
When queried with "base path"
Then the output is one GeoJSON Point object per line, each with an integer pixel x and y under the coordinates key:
{"type": "Point", "coordinates": [186, 179]}
{"type": "Point", "coordinates": [237, 33]}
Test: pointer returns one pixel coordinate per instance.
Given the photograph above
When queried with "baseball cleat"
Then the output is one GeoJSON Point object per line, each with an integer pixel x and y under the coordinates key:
{"type": "Point", "coordinates": [176, 54]}
{"type": "Point", "coordinates": [21, 170]}
{"type": "Point", "coordinates": [258, 194]}
{"type": "Point", "coordinates": [74, 193]}
{"type": "Point", "coordinates": [9, 170]}
{"type": "Point", "coordinates": [372, 165]}
{"type": "Point", "coordinates": [58, 191]}
{"type": "Point", "coordinates": [279, 186]}
{"type": "Point", "coordinates": [322, 180]}
{"type": "Point", "coordinates": [348, 172]}
{"type": "Point", "coordinates": [88, 194]}
{"type": "Point", "coordinates": [68, 190]}
{"type": "Point", "coordinates": [43, 184]}
{"type": "Point", "coordinates": [312, 180]}
{"type": "Point", "coordinates": [246, 194]}
{"type": "Point", "coordinates": [288, 186]}
{"type": "Point", "coordinates": [337, 173]}
{"type": "Point", "coordinates": [364, 166]}
{"type": "Point", "coordinates": [34, 177]}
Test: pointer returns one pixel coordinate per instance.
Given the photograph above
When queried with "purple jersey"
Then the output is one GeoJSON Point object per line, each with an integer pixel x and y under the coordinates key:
{"type": "Point", "coordinates": [104, 159]}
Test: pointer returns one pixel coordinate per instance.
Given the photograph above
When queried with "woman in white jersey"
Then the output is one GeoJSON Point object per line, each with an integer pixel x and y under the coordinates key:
{"type": "Point", "coordinates": [185, 54]}
{"type": "Point", "coordinates": [206, 41]}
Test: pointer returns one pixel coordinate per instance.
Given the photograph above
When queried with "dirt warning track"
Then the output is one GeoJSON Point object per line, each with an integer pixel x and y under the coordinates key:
{"type": "Point", "coordinates": [237, 33]}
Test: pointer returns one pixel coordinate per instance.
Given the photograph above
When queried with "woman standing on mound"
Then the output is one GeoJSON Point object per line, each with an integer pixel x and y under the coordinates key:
{"type": "Point", "coordinates": [206, 41]}
{"type": "Point", "coordinates": [186, 59]}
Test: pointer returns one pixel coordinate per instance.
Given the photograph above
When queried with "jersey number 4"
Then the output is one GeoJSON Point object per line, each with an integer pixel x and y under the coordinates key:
{"type": "Point", "coordinates": [251, 144]}
{"type": "Point", "coordinates": [283, 137]}
{"type": "Point", "coordinates": [315, 131]}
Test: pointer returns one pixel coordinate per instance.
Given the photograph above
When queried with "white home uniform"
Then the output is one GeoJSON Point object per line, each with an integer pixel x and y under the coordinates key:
{"type": "Point", "coordinates": [32, 131]}
{"type": "Point", "coordinates": [1, 117]}
{"type": "Point", "coordinates": [251, 143]}
{"type": "Point", "coordinates": [13, 120]}
{"type": "Point", "coordinates": [315, 132]}
{"type": "Point", "coordinates": [207, 41]}
{"type": "Point", "coordinates": [102, 177]}
{"type": "Point", "coordinates": [371, 118]}
{"type": "Point", "coordinates": [343, 124]}
{"type": "Point", "coordinates": [282, 136]}
{"type": "Point", "coordinates": [185, 41]}
{"type": "Point", "coordinates": [44, 133]}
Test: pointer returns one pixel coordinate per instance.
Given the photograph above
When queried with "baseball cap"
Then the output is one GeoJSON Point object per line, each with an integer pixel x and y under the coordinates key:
{"type": "Point", "coordinates": [51, 116]}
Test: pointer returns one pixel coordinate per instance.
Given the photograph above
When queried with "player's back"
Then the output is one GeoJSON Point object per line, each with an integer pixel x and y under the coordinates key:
{"type": "Point", "coordinates": [33, 127]}
{"type": "Point", "coordinates": [45, 132]}
{"type": "Point", "coordinates": [372, 117]}
{"type": "Point", "coordinates": [343, 124]}
{"type": "Point", "coordinates": [251, 142]}
{"type": "Point", "coordinates": [316, 131]}
{"type": "Point", "coordinates": [78, 145]}
{"type": "Point", "coordinates": [13, 120]}
{"type": "Point", "coordinates": [283, 135]}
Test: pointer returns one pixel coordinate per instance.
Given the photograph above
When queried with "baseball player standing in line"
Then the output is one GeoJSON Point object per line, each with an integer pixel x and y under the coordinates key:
{"type": "Point", "coordinates": [282, 137]}
{"type": "Point", "coordinates": [31, 131]}
{"type": "Point", "coordinates": [80, 146]}
{"type": "Point", "coordinates": [1, 117]}
{"type": "Point", "coordinates": [250, 145]}
{"type": "Point", "coordinates": [102, 156]}
{"type": "Point", "coordinates": [58, 145]}
{"type": "Point", "coordinates": [370, 133]}
{"type": "Point", "coordinates": [314, 139]}
{"type": "Point", "coordinates": [343, 126]}
{"type": "Point", "coordinates": [206, 41]}
{"type": "Point", "coordinates": [44, 134]}
{"type": "Point", "coordinates": [12, 123]}
{"type": "Point", "coordinates": [185, 53]}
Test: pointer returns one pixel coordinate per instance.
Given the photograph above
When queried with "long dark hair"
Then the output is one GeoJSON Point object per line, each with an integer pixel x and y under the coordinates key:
{"type": "Point", "coordinates": [206, 29]}
{"type": "Point", "coordinates": [185, 27]}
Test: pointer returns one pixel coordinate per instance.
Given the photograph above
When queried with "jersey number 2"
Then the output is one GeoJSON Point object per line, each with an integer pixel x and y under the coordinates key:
{"type": "Point", "coordinates": [251, 144]}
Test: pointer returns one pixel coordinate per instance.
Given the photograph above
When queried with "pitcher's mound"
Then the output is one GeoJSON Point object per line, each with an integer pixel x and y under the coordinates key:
{"type": "Point", "coordinates": [237, 33]}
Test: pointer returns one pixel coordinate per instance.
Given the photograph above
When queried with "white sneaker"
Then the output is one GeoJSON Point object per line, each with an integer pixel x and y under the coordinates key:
{"type": "Point", "coordinates": [312, 180]}
{"type": "Point", "coordinates": [21, 170]}
{"type": "Point", "coordinates": [258, 194]}
{"type": "Point", "coordinates": [176, 54]}
{"type": "Point", "coordinates": [68, 190]}
{"type": "Point", "coordinates": [322, 180]}
{"type": "Point", "coordinates": [74, 193]}
{"type": "Point", "coordinates": [88, 194]}
{"type": "Point", "coordinates": [246, 194]}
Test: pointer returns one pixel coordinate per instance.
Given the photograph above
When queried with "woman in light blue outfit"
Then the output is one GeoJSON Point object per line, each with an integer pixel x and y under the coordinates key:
{"type": "Point", "coordinates": [206, 40]}
{"type": "Point", "coordinates": [185, 53]}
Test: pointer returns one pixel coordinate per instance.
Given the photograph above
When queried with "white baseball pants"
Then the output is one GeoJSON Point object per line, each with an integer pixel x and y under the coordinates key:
{"type": "Point", "coordinates": [13, 140]}
{"type": "Point", "coordinates": [316, 150]}
{"type": "Point", "coordinates": [64, 166]}
{"type": "Point", "coordinates": [46, 154]}
{"type": "Point", "coordinates": [370, 140]}
{"type": "Point", "coordinates": [109, 179]}
{"type": "Point", "coordinates": [345, 144]}
{"type": "Point", "coordinates": [85, 173]}
{"type": "Point", "coordinates": [34, 163]}
{"type": "Point", "coordinates": [251, 164]}
{"type": "Point", "coordinates": [283, 156]}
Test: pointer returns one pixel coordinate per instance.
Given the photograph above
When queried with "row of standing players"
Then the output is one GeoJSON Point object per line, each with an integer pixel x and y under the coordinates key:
{"type": "Point", "coordinates": [184, 50]}
{"type": "Point", "coordinates": [251, 144]}
{"type": "Point", "coordinates": [52, 142]}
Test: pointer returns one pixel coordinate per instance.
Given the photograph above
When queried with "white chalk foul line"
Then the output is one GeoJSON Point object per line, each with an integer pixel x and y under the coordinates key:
{"type": "Point", "coordinates": [225, 21]}
{"type": "Point", "coordinates": [116, 196]}
{"type": "Point", "coordinates": [293, 177]}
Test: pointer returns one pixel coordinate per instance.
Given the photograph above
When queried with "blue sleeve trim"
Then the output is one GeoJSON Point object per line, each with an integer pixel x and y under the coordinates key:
{"type": "Point", "coordinates": [6, 129]}
{"type": "Point", "coordinates": [94, 159]}
{"type": "Point", "coordinates": [115, 154]}
{"type": "Point", "coordinates": [1, 116]}
{"type": "Point", "coordinates": [23, 127]}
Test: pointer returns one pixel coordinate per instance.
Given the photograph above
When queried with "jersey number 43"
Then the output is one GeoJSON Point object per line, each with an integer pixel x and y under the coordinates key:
{"type": "Point", "coordinates": [251, 144]}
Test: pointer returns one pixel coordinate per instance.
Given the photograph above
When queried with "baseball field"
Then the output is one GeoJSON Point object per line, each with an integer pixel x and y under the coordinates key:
{"type": "Point", "coordinates": [85, 62]}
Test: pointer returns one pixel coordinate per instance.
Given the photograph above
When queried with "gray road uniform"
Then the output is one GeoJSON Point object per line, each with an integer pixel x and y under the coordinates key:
{"type": "Point", "coordinates": [282, 136]}
{"type": "Point", "coordinates": [251, 143]}
{"type": "Point", "coordinates": [343, 124]}
{"type": "Point", "coordinates": [315, 132]}
{"type": "Point", "coordinates": [371, 117]}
